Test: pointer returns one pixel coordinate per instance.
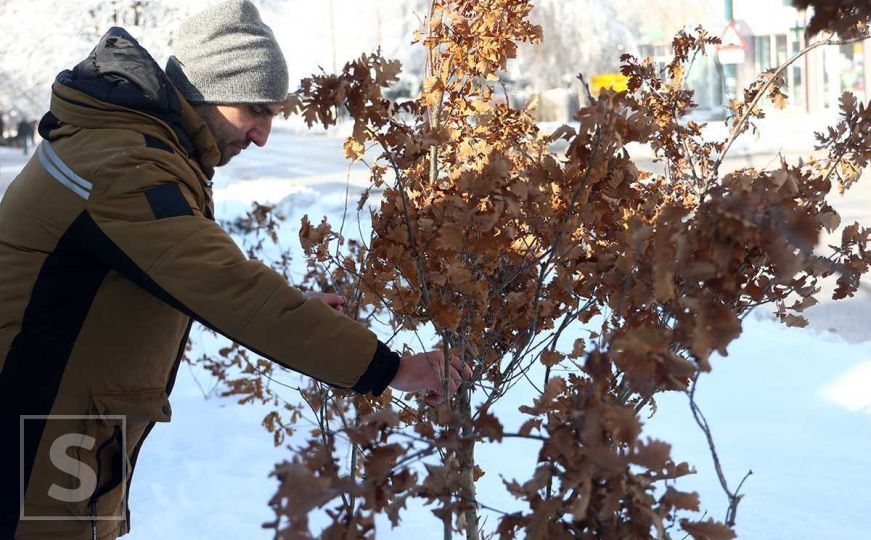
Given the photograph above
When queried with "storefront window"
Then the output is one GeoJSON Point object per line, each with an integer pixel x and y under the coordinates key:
{"type": "Point", "coordinates": [796, 76]}
{"type": "Point", "coordinates": [705, 80]}
{"type": "Point", "coordinates": [762, 48]}
{"type": "Point", "coordinates": [773, 51]}
{"type": "Point", "coordinates": [781, 49]}
{"type": "Point", "coordinates": [843, 71]}
{"type": "Point", "coordinates": [853, 69]}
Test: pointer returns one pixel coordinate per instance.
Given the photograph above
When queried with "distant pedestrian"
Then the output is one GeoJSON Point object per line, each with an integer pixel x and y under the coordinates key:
{"type": "Point", "coordinates": [25, 134]}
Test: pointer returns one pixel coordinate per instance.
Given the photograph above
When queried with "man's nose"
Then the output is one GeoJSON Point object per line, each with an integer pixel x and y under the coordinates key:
{"type": "Point", "coordinates": [259, 134]}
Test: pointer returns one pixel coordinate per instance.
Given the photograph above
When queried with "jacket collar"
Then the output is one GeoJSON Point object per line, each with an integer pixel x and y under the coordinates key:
{"type": "Point", "coordinates": [119, 78]}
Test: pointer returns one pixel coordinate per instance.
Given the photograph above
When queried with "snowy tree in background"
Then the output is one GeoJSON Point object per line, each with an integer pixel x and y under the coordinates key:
{"type": "Point", "coordinates": [40, 38]}
{"type": "Point", "coordinates": [322, 35]}
{"type": "Point", "coordinates": [656, 21]}
{"type": "Point", "coordinates": [581, 36]}
{"type": "Point", "coordinates": [398, 21]}
{"type": "Point", "coordinates": [588, 37]}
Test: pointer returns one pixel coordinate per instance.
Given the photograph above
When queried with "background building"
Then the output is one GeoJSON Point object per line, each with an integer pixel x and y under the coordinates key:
{"type": "Point", "coordinates": [775, 32]}
{"type": "Point", "coordinates": [771, 32]}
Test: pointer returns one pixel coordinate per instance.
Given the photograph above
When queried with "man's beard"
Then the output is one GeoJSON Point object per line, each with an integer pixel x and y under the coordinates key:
{"type": "Point", "coordinates": [225, 134]}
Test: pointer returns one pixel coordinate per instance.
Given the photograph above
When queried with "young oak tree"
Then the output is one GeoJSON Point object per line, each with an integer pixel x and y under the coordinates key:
{"type": "Point", "coordinates": [505, 253]}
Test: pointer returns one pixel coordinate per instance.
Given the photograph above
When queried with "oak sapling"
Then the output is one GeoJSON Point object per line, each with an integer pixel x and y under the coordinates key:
{"type": "Point", "coordinates": [613, 283]}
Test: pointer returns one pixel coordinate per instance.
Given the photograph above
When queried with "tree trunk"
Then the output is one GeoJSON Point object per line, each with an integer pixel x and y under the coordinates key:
{"type": "Point", "coordinates": [467, 466]}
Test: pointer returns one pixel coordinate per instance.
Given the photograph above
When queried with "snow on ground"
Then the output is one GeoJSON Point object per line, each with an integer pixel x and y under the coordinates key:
{"type": "Point", "coordinates": [792, 405]}
{"type": "Point", "coordinates": [850, 390]}
{"type": "Point", "coordinates": [777, 406]}
{"type": "Point", "coordinates": [12, 160]}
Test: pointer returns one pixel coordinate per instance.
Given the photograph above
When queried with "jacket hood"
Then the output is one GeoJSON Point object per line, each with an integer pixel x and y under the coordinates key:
{"type": "Point", "coordinates": [119, 85]}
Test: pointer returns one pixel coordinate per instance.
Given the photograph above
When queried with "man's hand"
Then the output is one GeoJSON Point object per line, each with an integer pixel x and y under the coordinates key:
{"type": "Point", "coordinates": [425, 373]}
{"type": "Point", "coordinates": [335, 301]}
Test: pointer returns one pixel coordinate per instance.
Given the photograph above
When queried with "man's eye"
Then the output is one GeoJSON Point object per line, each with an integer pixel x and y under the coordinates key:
{"type": "Point", "coordinates": [259, 110]}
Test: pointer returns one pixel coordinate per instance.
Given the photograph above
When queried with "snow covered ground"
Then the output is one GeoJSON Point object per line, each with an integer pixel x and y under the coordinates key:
{"type": "Point", "coordinates": [792, 405]}
{"type": "Point", "coordinates": [11, 162]}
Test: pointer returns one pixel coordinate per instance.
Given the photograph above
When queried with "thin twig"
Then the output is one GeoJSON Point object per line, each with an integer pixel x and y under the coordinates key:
{"type": "Point", "coordinates": [733, 496]}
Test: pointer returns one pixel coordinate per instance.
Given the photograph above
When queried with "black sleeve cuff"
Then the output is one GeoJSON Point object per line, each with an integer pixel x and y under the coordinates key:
{"type": "Point", "coordinates": [380, 373]}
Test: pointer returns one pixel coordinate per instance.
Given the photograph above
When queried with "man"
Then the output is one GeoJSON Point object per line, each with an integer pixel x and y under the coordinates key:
{"type": "Point", "coordinates": [25, 134]}
{"type": "Point", "coordinates": [109, 250]}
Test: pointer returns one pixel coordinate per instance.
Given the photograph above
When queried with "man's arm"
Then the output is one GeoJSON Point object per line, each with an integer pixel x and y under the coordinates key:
{"type": "Point", "coordinates": [150, 230]}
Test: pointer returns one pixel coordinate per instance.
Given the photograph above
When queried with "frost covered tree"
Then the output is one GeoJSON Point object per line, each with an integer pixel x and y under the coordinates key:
{"type": "Point", "coordinates": [588, 36]}
{"type": "Point", "coordinates": [39, 38]}
{"type": "Point", "coordinates": [657, 20]}
{"type": "Point", "coordinates": [340, 29]}
{"type": "Point", "coordinates": [581, 36]}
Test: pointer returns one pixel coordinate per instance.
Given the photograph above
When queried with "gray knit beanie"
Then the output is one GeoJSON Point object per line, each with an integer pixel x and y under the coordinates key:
{"type": "Point", "coordinates": [226, 54]}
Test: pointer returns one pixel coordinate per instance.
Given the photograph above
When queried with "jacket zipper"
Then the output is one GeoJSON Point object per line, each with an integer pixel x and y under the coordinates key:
{"type": "Point", "coordinates": [116, 435]}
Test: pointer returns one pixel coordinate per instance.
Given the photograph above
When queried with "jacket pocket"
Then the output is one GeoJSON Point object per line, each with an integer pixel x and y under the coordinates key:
{"type": "Point", "coordinates": [117, 425]}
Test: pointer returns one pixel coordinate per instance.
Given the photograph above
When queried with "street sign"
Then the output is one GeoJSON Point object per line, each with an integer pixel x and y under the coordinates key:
{"type": "Point", "coordinates": [731, 55]}
{"type": "Point", "coordinates": [732, 50]}
{"type": "Point", "coordinates": [731, 37]}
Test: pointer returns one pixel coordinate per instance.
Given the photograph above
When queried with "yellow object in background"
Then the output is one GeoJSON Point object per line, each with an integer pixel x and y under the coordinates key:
{"type": "Point", "coordinates": [614, 81]}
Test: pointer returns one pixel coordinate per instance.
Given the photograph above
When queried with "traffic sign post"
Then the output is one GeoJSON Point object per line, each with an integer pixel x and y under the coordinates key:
{"type": "Point", "coordinates": [730, 52]}
{"type": "Point", "coordinates": [732, 48]}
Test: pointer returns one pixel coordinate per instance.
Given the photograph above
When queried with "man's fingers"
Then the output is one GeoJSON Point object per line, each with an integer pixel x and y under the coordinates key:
{"type": "Point", "coordinates": [335, 301]}
{"type": "Point", "coordinates": [436, 358]}
{"type": "Point", "coordinates": [455, 375]}
{"type": "Point", "coordinates": [458, 364]}
{"type": "Point", "coordinates": [435, 379]}
{"type": "Point", "coordinates": [437, 361]}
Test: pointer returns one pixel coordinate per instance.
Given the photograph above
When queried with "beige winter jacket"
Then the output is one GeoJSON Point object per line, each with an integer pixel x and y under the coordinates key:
{"type": "Point", "coordinates": [108, 250]}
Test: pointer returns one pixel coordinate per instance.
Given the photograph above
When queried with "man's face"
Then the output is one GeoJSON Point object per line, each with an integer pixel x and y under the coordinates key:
{"type": "Point", "coordinates": [236, 126]}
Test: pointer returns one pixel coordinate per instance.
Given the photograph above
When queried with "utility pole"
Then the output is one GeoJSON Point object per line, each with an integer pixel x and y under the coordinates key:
{"type": "Point", "coordinates": [332, 19]}
{"type": "Point", "coordinates": [730, 71]}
